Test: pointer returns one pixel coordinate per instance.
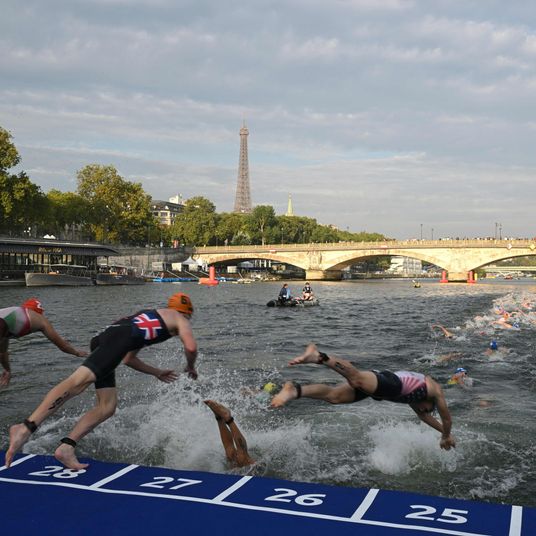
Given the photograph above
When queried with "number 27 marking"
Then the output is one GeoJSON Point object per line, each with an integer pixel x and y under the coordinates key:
{"type": "Point", "coordinates": [449, 515]}
{"type": "Point", "coordinates": [168, 480]}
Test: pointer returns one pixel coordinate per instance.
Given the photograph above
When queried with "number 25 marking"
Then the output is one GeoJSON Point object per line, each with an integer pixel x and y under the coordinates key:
{"type": "Point", "coordinates": [449, 515]}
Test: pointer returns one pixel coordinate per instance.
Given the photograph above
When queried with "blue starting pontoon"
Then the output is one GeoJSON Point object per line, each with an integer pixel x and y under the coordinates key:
{"type": "Point", "coordinates": [39, 496]}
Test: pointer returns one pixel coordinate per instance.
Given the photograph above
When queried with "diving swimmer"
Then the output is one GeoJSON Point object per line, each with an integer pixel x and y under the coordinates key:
{"type": "Point", "coordinates": [420, 392]}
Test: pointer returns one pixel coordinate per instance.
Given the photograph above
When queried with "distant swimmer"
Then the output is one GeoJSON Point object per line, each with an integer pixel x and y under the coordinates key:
{"type": "Point", "coordinates": [444, 330]}
{"type": "Point", "coordinates": [119, 342]}
{"type": "Point", "coordinates": [449, 356]}
{"type": "Point", "coordinates": [234, 443]}
{"type": "Point", "coordinates": [495, 349]}
{"type": "Point", "coordinates": [420, 392]}
{"type": "Point", "coordinates": [17, 322]}
{"type": "Point", "coordinates": [460, 378]}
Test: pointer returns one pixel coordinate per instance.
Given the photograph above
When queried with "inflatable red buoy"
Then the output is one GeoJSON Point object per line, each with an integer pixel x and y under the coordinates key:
{"type": "Point", "coordinates": [211, 279]}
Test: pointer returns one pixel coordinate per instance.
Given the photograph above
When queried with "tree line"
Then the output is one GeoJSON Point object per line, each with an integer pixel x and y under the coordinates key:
{"type": "Point", "coordinates": [110, 209]}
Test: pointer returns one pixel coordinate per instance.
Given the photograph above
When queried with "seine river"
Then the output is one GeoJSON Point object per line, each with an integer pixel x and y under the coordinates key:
{"type": "Point", "coordinates": [243, 344]}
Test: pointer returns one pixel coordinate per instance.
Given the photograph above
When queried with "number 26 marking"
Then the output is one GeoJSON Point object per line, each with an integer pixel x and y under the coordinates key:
{"type": "Point", "coordinates": [311, 499]}
{"type": "Point", "coordinates": [449, 515]}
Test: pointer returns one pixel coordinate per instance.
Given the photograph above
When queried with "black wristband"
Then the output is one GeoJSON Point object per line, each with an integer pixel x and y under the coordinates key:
{"type": "Point", "coordinates": [30, 425]}
{"type": "Point", "coordinates": [323, 357]}
{"type": "Point", "coordinates": [297, 386]}
{"type": "Point", "coordinates": [68, 441]}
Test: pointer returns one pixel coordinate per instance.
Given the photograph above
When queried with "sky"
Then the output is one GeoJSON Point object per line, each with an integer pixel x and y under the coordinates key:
{"type": "Point", "coordinates": [408, 118]}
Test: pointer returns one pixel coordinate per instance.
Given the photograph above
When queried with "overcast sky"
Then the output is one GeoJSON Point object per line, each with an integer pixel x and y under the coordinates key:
{"type": "Point", "coordinates": [376, 115]}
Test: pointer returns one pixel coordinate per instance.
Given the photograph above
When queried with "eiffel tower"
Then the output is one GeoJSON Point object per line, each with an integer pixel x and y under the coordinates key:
{"type": "Point", "coordinates": [243, 196]}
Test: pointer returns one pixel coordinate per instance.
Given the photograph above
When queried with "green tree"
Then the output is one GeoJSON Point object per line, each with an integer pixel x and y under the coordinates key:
{"type": "Point", "coordinates": [120, 210]}
{"type": "Point", "coordinates": [22, 203]}
{"type": "Point", "coordinates": [196, 225]}
{"type": "Point", "coordinates": [68, 211]}
{"type": "Point", "coordinates": [260, 222]}
{"type": "Point", "coordinates": [231, 227]}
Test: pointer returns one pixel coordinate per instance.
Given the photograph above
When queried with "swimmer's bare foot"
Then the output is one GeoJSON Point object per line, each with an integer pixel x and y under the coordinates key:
{"type": "Point", "coordinates": [287, 393]}
{"type": "Point", "coordinates": [65, 455]}
{"type": "Point", "coordinates": [311, 355]}
{"type": "Point", "coordinates": [219, 410]}
{"type": "Point", "coordinates": [18, 435]}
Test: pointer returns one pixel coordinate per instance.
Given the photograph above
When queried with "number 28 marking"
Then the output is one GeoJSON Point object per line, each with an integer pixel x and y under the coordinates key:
{"type": "Point", "coordinates": [58, 471]}
{"type": "Point", "coordinates": [449, 515]}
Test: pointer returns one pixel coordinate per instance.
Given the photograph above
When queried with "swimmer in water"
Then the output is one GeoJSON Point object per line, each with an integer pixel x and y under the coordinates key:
{"type": "Point", "coordinates": [420, 392]}
{"type": "Point", "coordinates": [234, 443]}
{"type": "Point", "coordinates": [445, 331]}
{"type": "Point", "coordinates": [460, 378]}
{"type": "Point", "coordinates": [263, 394]}
{"type": "Point", "coordinates": [450, 356]}
{"type": "Point", "coordinates": [494, 349]}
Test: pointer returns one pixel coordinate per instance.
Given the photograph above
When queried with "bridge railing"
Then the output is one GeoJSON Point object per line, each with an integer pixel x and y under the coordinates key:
{"type": "Point", "coordinates": [386, 244]}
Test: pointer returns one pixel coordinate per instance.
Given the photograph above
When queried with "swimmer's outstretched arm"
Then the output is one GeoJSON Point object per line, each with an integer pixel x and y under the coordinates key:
{"type": "Point", "coordinates": [445, 331]}
{"type": "Point", "coordinates": [164, 375]}
{"type": "Point", "coordinates": [445, 426]}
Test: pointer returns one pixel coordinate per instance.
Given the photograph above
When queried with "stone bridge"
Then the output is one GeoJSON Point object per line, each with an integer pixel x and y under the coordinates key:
{"type": "Point", "coordinates": [325, 261]}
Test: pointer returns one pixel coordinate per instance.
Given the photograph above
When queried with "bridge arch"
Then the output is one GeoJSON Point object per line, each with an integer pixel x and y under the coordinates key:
{"type": "Point", "coordinates": [325, 261]}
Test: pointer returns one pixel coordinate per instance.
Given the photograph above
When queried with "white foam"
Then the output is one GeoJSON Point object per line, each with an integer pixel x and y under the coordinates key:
{"type": "Point", "coordinates": [401, 447]}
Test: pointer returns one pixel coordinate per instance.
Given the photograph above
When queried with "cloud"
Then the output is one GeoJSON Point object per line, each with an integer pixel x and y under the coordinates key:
{"type": "Point", "coordinates": [372, 114]}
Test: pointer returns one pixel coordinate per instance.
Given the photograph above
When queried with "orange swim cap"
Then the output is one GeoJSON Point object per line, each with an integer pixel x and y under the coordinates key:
{"type": "Point", "coordinates": [34, 304]}
{"type": "Point", "coordinates": [181, 303]}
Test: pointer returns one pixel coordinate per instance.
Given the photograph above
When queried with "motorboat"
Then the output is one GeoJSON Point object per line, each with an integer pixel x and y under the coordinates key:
{"type": "Point", "coordinates": [60, 275]}
{"type": "Point", "coordinates": [118, 275]}
{"type": "Point", "coordinates": [294, 302]}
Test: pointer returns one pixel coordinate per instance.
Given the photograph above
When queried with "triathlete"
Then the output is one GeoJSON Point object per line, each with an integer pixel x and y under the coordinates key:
{"type": "Point", "coordinates": [445, 331]}
{"type": "Point", "coordinates": [16, 322]}
{"type": "Point", "coordinates": [118, 343]}
{"type": "Point", "coordinates": [420, 392]}
{"type": "Point", "coordinates": [234, 443]}
{"type": "Point", "coordinates": [460, 378]}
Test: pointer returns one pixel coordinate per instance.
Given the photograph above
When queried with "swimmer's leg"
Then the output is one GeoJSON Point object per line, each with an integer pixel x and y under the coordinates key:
{"type": "Point", "coordinates": [364, 380]}
{"type": "Point", "coordinates": [223, 415]}
{"type": "Point", "coordinates": [242, 456]}
{"type": "Point", "coordinates": [340, 394]}
{"type": "Point", "coordinates": [77, 382]}
{"type": "Point", "coordinates": [105, 408]}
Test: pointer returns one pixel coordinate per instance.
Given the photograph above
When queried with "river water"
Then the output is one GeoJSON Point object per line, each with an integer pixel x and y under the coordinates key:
{"type": "Point", "coordinates": [243, 344]}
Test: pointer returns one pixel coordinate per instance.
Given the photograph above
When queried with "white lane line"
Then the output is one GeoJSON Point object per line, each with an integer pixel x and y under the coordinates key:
{"type": "Point", "coordinates": [232, 489]}
{"type": "Point", "coordinates": [20, 460]}
{"type": "Point", "coordinates": [365, 504]}
{"type": "Point", "coordinates": [38, 483]}
{"type": "Point", "coordinates": [516, 520]}
{"type": "Point", "coordinates": [122, 472]}
{"type": "Point", "coordinates": [213, 502]}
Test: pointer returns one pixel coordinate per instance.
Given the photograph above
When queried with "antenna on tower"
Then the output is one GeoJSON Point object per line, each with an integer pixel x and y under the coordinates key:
{"type": "Point", "coordinates": [243, 196]}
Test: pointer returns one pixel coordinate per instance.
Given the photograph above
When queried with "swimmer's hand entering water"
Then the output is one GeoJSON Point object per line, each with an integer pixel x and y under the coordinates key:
{"type": "Point", "coordinates": [447, 442]}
